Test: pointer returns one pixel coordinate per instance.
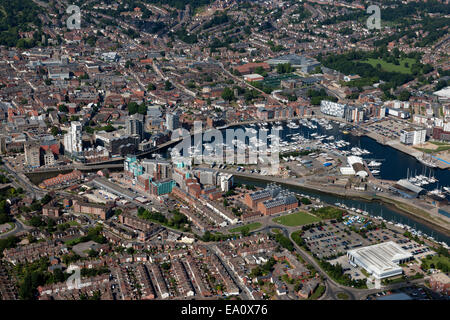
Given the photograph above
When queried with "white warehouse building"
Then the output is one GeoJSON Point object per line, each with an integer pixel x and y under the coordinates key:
{"type": "Point", "coordinates": [381, 260]}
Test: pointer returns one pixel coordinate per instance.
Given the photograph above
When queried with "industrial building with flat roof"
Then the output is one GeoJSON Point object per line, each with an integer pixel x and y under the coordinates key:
{"type": "Point", "coordinates": [381, 260]}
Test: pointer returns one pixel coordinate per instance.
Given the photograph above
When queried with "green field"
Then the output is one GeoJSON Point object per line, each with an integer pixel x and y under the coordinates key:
{"type": "Point", "coordinates": [296, 219]}
{"type": "Point", "coordinates": [390, 67]}
{"type": "Point", "coordinates": [342, 296]}
{"type": "Point", "coordinates": [251, 226]}
{"type": "Point", "coordinates": [437, 262]}
{"type": "Point", "coordinates": [442, 146]}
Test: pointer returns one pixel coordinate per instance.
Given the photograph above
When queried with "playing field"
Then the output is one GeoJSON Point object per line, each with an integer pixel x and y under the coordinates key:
{"type": "Point", "coordinates": [296, 219]}
{"type": "Point", "coordinates": [251, 226]}
{"type": "Point", "coordinates": [390, 67]}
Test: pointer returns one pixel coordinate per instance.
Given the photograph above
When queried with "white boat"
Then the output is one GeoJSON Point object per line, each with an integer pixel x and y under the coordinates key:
{"type": "Point", "coordinates": [374, 164]}
{"type": "Point", "coordinates": [292, 125]}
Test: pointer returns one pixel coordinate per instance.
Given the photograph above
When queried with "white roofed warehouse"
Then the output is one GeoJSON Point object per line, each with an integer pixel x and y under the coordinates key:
{"type": "Point", "coordinates": [381, 260]}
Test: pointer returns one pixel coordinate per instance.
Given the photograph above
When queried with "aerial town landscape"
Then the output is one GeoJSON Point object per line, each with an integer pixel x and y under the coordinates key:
{"type": "Point", "coordinates": [224, 150]}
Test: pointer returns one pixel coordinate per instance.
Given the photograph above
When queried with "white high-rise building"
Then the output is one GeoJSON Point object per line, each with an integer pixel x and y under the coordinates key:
{"type": "Point", "coordinates": [73, 143]}
{"type": "Point", "coordinates": [172, 121]}
{"type": "Point", "coordinates": [411, 136]}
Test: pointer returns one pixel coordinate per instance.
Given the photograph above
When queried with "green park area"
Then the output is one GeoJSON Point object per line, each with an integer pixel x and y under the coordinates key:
{"type": "Point", "coordinates": [249, 227]}
{"type": "Point", "coordinates": [441, 146]}
{"type": "Point", "coordinates": [296, 219]}
{"type": "Point", "coordinates": [404, 65]}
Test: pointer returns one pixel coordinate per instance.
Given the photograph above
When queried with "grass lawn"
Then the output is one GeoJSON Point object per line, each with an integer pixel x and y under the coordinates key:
{"type": "Point", "coordinates": [318, 293]}
{"type": "Point", "coordinates": [390, 67]}
{"type": "Point", "coordinates": [342, 296]}
{"type": "Point", "coordinates": [296, 219]}
{"type": "Point", "coordinates": [251, 226]}
{"type": "Point", "coordinates": [437, 150]}
{"type": "Point", "coordinates": [442, 146]}
{"type": "Point", "coordinates": [442, 260]}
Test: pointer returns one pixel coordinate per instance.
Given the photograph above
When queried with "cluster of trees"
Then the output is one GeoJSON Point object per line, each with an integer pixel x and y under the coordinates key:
{"type": "Point", "coordinates": [186, 37]}
{"type": "Point", "coordinates": [328, 213]}
{"type": "Point", "coordinates": [178, 220]}
{"type": "Point", "coordinates": [16, 16]}
{"type": "Point", "coordinates": [284, 68]}
{"type": "Point", "coordinates": [86, 272]}
{"type": "Point", "coordinates": [284, 241]}
{"type": "Point", "coordinates": [180, 4]}
{"type": "Point", "coordinates": [168, 85]}
{"type": "Point", "coordinates": [133, 108]}
{"type": "Point", "coordinates": [249, 94]}
{"type": "Point", "coordinates": [33, 275]}
{"type": "Point", "coordinates": [108, 128]}
{"type": "Point", "coordinates": [208, 236]}
{"type": "Point", "coordinates": [4, 179]}
{"type": "Point", "coordinates": [275, 48]}
{"type": "Point", "coordinates": [228, 94]}
{"type": "Point", "coordinates": [318, 95]}
{"type": "Point", "coordinates": [8, 243]}
{"type": "Point", "coordinates": [337, 273]}
{"type": "Point", "coordinates": [261, 86]}
{"type": "Point", "coordinates": [354, 63]}
{"type": "Point", "coordinates": [400, 12]}
{"type": "Point", "coordinates": [298, 153]}
{"type": "Point", "coordinates": [217, 19]}
{"type": "Point", "coordinates": [441, 85]}
{"type": "Point", "coordinates": [264, 269]}
{"type": "Point", "coordinates": [443, 260]}
{"type": "Point", "coordinates": [305, 201]}
{"type": "Point", "coordinates": [4, 212]}
{"type": "Point", "coordinates": [94, 234]}
{"type": "Point", "coordinates": [152, 215]}
{"type": "Point", "coordinates": [297, 237]}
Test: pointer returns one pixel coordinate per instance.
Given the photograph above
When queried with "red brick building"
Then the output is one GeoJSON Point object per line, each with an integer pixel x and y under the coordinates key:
{"type": "Point", "coordinates": [102, 211]}
{"type": "Point", "coordinates": [440, 282]}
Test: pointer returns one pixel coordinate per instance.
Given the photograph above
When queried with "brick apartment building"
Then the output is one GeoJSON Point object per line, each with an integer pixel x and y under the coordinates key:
{"type": "Point", "coordinates": [440, 282]}
{"type": "Point", "coordinates": [62, 178]}
{"type": "Point", "coordinates": [271, 200]}
{"type": "Point", "coordinates": [100, 210]}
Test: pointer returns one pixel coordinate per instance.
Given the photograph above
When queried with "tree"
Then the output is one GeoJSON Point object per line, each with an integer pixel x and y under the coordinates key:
{"type": "Point", "coordinates": [129, 64]}
{"type": "Point", "coordinates": [245, 231]}
{"type": "Point", "coordinates": [317, 69]}
{"type": "Point", "coordinates": [228, 94]}
{"type": "Point", "coordinates": [54, 131]}
{"type": "Point", "coordinates": [142, 109]}
{"type": "Point", "coordinates": [151, 87]}
{"type": "Point", "coordinates": [63, 108]}
{"type": "Point", "coordinates": [132, 108]}
{"type": "Point", "coordinates": [168, 85]}
{"type": "Point", "coordinates": [404, 95]}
